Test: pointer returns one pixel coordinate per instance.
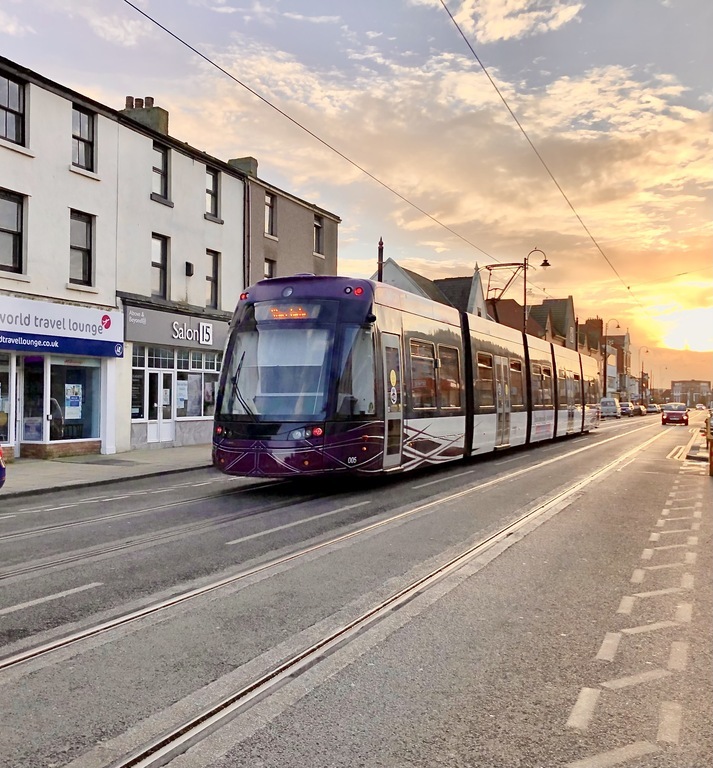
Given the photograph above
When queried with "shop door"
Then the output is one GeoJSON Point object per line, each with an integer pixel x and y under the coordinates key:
{"type": "Point", "coordinates": [161, 424]}
{"type": "Point", "coordinates": [393, 417]}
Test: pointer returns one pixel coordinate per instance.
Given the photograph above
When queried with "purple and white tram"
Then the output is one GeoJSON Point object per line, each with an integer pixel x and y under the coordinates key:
{"type": "Point", "coordinates": [334, 374]}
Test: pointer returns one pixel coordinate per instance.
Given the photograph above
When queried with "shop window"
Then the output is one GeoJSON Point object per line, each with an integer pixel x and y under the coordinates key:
{"type": "Point", "coordinates": [74, 400]}
{"type": "Point", "coordinates": [138, 389]}
{"type": "Point", "coordinates": [196, 360]}
{"type": "Point", "coordinates": [160, 357]}
{"type": "Point", "coordinates": [138, 356]}
{"type": "Point", "coordinates": [183, 359]}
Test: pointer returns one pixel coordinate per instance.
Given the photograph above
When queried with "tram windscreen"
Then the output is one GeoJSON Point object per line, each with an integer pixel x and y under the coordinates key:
{"type": "Point", "coordinates": [278, 372]}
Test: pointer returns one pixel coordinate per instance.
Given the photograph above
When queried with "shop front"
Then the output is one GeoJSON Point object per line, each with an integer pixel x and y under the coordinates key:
{"type": "Point", "coordinates": [175, 364]}
{"type": "Point", "coordinates": [57, 377]}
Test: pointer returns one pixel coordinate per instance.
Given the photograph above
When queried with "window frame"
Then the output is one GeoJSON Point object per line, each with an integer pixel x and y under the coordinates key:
{"type": "Point", "coordinates": [270, 214]}
{"type": "Point", "coordinates": [318, 235]}
{"type": "Point", "coordinates": [161, 266]}
{"type": "Point", "coordinates": [415, 348]}
{"type": "Point", "coordinates": [78, 139]}
{"type": "Point", "coordinates": [6, 110]}
{"type": "Point", "coordinates": [17, 235]}
{"type": "Point", "coordinates": [86, 250]}
{"type": "Point", "coordinates": [484, 361]}
{"type": "Point", "coordinates": [212, 193]}
{"type": "Point", "coordinates": [269, 269]}
{"type": "Point", "coordinates": [442, 370]}
{"type": "Point", "coordinates": [161, 173]}
{"type": "Point", "coordinates": [213, 279]}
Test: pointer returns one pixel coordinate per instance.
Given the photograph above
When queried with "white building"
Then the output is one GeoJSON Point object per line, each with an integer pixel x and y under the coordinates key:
{"type": "Point", "coordinates": [122, 254]}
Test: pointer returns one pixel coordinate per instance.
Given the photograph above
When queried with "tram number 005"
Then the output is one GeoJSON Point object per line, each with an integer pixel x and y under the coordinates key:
{"type": "Point", "coordinates": [352, 460]}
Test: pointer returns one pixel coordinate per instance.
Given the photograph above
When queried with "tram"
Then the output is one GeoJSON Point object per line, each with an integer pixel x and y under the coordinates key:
{"type": "Point", "coordinates": [336, 374]}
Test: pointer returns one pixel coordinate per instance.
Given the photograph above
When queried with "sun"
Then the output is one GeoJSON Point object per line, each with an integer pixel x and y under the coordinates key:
{"type": "Point", "coordinates": [690, 329]}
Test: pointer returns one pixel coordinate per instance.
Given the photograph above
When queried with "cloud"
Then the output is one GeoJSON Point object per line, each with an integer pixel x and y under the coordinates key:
{"type": "Point", "coordinates": [11, 25]}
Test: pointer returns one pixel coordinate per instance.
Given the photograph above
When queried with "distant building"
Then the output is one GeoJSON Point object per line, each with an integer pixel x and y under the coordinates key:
{"type": "Point", "coordinates": [691, 392]}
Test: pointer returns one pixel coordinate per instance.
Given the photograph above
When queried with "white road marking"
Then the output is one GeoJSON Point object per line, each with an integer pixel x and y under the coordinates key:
{"type": "Point", "coordinates": [687, 581]}
{"type": "Point", "coordinates": [671, 546]}
{"type": "Point", "coordinates": [615, 756]}
{"type": "Point", "coordinates": [609, 646]}
{"type": "Point", "coordinates": [659, 592]}
{"type": "Point", "coordinates": [629, 680]}
{"type": "Point", "coordinates": [664, 566]}
{"type": "Point", "coordinates": [294, 524]}
{"type": "Point", "coordinates": [678, 657]}
{"type": "Point", "coordinates": [6, 517]}
{"type": "Point", "coordinates": [647, 554]}
{"type": "Point", "coordinates": [48, 598]}
{"type": "Point", "coordinates": [638, 576]}
{"type": "Point", "coordinates": [507, 461]}
{"type": "Point", "coordinates": [677, 530]}
{"type": "Point", "coordinates": [693, 541]}
{"type": "Point", "coordinates": [649, 627]}
{"type": "Point", "coordinates": [690, 558]}
{"type": "Point", "coordinates": [626, 604]}
{"type": "Point", "coordinates": [670, 713]}
{"type": "Point", "coordinates": [584, 708]}
{"type": "Point", "coordinates": [684, 613]}
{"type": "Point", "coordinates": [654, 536]}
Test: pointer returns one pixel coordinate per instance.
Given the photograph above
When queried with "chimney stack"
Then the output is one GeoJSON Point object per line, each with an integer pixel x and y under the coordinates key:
{"type": "Point", "coordinates": [145, 112]}
{"type": "Point", "coordinates": [129, 102]}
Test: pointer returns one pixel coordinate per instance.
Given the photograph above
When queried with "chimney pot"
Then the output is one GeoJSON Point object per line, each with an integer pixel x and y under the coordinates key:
{"type": "Point", "coordinates": [129, 102]}
{"type": "Point", "coordinates": [139, 103]}
{"type": "Point", "coordinates": [148, 101]}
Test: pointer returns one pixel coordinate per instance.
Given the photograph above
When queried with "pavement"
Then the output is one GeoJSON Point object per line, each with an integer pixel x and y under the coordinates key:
{"type": "Point", "coordinates": [28, 476]}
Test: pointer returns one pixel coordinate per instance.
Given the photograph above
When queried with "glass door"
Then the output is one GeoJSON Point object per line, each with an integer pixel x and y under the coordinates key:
{"type": "Point", "coordinates": [161, 423]}
{"type": "Point", "coordinates": [33, 399]}
{"type": "Point", "coordinates": [393, 417]}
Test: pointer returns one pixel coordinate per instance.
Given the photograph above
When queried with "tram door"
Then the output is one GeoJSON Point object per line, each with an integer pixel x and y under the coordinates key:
{"type": "Point", "coordinates": [502, 401]}
{"type": "Point", "coordinates": [161, 426]}
{"type": "Point", "coordinates": [393, 401]}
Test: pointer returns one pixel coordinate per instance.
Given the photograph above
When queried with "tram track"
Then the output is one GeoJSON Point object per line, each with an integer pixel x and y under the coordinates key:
{"type": "Point", "coordinates": [58, 644]}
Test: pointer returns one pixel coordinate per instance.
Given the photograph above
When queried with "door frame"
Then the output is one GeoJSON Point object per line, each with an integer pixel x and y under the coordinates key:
{"type": "Point", "coordinates": [392, 364]}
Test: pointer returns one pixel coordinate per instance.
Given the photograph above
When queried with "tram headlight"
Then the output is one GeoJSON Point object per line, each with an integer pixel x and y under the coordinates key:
{"type": "Point", "coordinates": [297, 434]}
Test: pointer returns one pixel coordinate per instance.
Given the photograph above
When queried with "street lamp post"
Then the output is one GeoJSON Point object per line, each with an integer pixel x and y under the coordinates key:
{"type": "Point", "coordinates": [516, 267]}
{"type": "Point", "coordinates": [606, 350]}
{"type": "Point", "coordinates": [641, 380]}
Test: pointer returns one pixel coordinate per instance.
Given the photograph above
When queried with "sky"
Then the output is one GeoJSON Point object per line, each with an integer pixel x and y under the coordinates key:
{"type": "Point", "coordinates": [462, 132]}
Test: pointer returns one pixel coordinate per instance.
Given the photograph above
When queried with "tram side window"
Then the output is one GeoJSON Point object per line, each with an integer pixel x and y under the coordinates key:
{"type": "Point", "coordinates": [547, 386]}
{"type": "Point", "coordinates": [517, 394]}
{"type": "Point", "coordinates": [423, 374]}
{"type": "Point", "coordinates": [356, 389]}
{"type": "Point", "coordinates": [536, 376]}
{"type": "Point", "coordinates": [562, 387]}
{"type": "Point", "coordinates": [449, 378]}
{"type": "Point", "coordinates": [577, 389]}
{"type": "Point", "coordinates": [484, 392]}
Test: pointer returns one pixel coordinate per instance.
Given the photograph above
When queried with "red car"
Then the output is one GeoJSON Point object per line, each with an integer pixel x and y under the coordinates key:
{"type": "Point", "coordinates": [674, 413]}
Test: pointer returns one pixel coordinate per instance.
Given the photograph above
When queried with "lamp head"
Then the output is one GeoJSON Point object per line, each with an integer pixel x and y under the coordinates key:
{"type": "Point", "coordinates": [545, 263]}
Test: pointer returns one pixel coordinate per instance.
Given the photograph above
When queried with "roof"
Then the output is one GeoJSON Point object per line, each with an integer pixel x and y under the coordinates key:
{"type": "Point", "coordinates": [509, 312]}
{"type": "Point", "coordinates": [456, 290]}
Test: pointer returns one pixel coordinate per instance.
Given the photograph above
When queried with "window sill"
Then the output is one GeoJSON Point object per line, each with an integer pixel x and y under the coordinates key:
{"type": "Point", "coordinates": [15, 276]}
{"type": "Point", "coordinates": [318, 255]}
{"type": "Point", "coordinates": [80, 287]}
{"type": "Point", "coordinates": [84, 172]}
{"type": "Point", "coordinates": [16, 148]}
{"type": "Point", "coordinates": [210, 217]}
{"type": "Point", "coordinates": [163, 200]}
{"type": "Point", "coordinates": [271, 237]}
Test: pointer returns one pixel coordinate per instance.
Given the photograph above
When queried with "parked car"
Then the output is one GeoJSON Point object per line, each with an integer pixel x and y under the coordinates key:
{"type": "Point", "coordinates": [653, 408]}
{"type": "Point", "coordinates": [638, 410]}
{"type": "Point", "coordinates": [609, 406]}
{"type": "Point", "coordinates": [627, 408]}
{"type": "Point", "coordinates": [700, 407]}
{"type": "Point", "coordinates": [3, 470]}
{"type": "Point", "coordinates": [674, 413]}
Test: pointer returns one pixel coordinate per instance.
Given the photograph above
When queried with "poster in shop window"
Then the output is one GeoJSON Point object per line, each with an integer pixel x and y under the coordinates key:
{"type": "Point", "coordinates": [72, 401]}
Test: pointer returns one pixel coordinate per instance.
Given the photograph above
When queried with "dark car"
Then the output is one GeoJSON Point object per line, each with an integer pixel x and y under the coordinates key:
{"type": "Point", "coordinates": [674, 413]}
{"type": "Point", "coordinates": [3, 472]}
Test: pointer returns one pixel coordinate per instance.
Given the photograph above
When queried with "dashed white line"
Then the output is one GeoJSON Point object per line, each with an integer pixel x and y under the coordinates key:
{"type": "Point", "coordinates": [670, 713]}
{"type": "Point", "coordinates": [654, 536]}
{"type": "Point", "coordinates": [629, 680]}
{"type": "Point", "coordinates": [684, 613]}
{"type": "Point", "coordinates": [690, 558]}
{"type": "Point", "coordinates": [664, 566]}
{"type": "Point", "coordinates": [653, 627]}
{"type": "Point", "coordinates": [647, 554]}
{"type": "Point", "coordinates": [48, 598]}
{"type": "Point", "coordinates": [638, 576]}
{"type": "Point", "coordinates": [678, 658]}
{"type": "Point", "coordinates": [447, 479]}
{"type": "Point", "coordinates": [584, 708]}
{"type": "Point", "coordinates": [626, 605]}
{"type": "Point", "coordinates": [687, 581]}
{"type": "Point", "coordinates": [615, 756]}
{"type": "Point", "coordinates": [659, 592]}
{"type": "Point", "coordinates": [609, 646]}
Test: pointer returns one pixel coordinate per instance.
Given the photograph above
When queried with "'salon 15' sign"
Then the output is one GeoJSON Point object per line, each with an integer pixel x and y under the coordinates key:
{"type": "Point", "coordinates": [152, 326]}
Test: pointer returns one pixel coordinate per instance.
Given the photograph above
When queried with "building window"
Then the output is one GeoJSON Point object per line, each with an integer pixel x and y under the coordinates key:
{"type": "Point", "coordinates": [12, 110]}
{"type": "Point", "coordinates": [211, 192]}
{"type": "Point", "coordinates": [82, 138]}
{"type": "Point", "coordinates": [270, 268]}
{"type": "Point", "coordinates": [270, 214]}
{"type": "Point", "coordinates": [318, 235]}
{"type": "Point", "coordinates": [10, 231]}
{"type": "Point", "coordinates": [80, 248]}
{"type": "Point", "coordinates": [159, 266]}
{"type": "Point", "coordinates": [211, 285]}
{"type": "Point", "coordinates": [160, 172]}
